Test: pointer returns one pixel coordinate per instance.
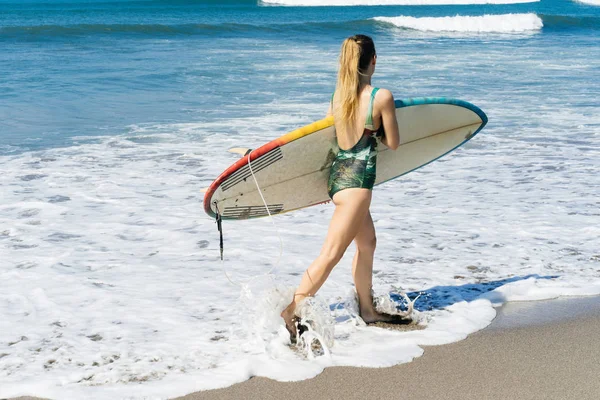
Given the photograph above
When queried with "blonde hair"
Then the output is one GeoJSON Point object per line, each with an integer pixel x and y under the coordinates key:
{"type": "Point", "coordinates": [355, 57]}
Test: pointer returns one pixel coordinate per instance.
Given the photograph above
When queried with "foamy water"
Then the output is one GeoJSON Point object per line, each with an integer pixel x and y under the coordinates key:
{"type": "Point", "coordinates": [111, 285]}
{"type": "Point", "coordinates": [507, 23]}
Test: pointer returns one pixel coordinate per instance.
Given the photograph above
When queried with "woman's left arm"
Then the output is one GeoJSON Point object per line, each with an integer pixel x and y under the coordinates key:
{"type": "Point", "coordinates": [391, 137]}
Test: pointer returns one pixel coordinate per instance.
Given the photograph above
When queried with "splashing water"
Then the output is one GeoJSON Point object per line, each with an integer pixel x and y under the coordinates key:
{"type": "Point", "coordinates": [315, 315]}
{"type": "Point", "coordinates": [385, 304]}
{"type": "Point", "coordinates": [262, 300]}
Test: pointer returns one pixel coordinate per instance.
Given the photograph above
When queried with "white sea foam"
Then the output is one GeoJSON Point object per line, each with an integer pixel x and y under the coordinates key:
{"type": "Point", "coordinates": [506, 23]}
{"type": "Point", "coordinates": [313, 3]}
{"type": "Point", "coordinates": [591, 2]}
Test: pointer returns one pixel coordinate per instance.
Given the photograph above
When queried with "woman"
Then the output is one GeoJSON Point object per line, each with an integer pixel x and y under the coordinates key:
{"type": "Point", "coordinates": [359, 111]}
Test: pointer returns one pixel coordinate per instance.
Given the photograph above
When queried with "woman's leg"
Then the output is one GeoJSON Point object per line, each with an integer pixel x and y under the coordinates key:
{"type": "Point", "coordinates": [362, 266]}
{"type": "Point", "coordinates": [351, 208]}
{"type": "Point", "coordinates": [362, 271]}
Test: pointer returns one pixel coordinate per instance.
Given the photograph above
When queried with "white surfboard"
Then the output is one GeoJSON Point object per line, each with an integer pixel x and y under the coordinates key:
{"type": "Point", "coordinates": [292, 170]}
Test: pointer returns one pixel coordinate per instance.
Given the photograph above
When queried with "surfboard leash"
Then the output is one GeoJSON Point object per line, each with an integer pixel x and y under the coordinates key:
{"type": "Point", "coordinates": [219, 221]}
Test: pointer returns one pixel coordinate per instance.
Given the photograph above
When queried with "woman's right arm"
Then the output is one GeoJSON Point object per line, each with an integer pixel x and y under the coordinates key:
{"type": "Point", "coordinates": [391, 137]}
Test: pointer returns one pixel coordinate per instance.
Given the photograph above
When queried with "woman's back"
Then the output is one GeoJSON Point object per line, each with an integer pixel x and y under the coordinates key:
{"type": "Point", "coordinates": [368, 116]}
{"type": "Point", "coordinates": [355, 163]}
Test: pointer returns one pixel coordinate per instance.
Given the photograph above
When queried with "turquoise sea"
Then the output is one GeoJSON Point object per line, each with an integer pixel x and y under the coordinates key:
{"type": "Point", "coordinates": [98, 67]}
{"type": "Point", "coordinates": [114, 114]}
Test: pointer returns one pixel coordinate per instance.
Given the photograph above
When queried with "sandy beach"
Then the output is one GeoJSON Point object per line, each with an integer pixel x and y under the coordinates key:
{"type": "Point", "coordinates": [532, 350]}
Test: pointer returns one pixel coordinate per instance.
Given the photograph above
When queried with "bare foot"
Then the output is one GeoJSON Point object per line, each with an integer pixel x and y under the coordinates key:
{"type": "Point", "coordinates": [372, 317]}
{"type": "Point", "coordinates": [290, 321]}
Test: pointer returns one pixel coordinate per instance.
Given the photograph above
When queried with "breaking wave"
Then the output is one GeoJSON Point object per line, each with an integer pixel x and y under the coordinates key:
{"type": "Point", "coordinates": [486, 23]}
{"type": "Point", "coordinates": [506, 23]}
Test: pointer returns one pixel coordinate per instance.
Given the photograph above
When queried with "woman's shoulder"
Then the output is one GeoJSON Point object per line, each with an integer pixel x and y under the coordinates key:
{"type": "Point", "coordinates": [384, 95]}
{"type": "Point", "coordinates": [384, 99]}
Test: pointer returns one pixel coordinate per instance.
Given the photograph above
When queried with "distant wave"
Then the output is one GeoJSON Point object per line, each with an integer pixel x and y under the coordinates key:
{"type": "Point", "coordinates": [311, 3]}
{"type": "Point", "coordinates": [486, 23]}
{"type": "Point", "coordinates": [591, 2]}
{"type": "Point", "coordinates": [505, 23]}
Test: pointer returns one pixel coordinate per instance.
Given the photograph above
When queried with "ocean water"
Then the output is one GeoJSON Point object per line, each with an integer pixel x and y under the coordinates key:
{"type": "Point", "coordinates": [114, 114]}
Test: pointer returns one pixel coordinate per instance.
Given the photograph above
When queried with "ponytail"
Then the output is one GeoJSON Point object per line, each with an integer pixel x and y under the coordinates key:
{"type": "Point", "coordinates": [348, 81]}
{"type": "Point", "coordinates": [355, 56]}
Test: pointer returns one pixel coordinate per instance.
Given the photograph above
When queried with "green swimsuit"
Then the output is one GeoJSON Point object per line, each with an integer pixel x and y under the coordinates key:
{"type": "Point", "coordinates": [356, 167]}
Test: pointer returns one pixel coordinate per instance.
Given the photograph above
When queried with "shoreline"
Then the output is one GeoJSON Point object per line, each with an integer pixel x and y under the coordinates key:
{"type": "Point", "coordinates": [543, 349]}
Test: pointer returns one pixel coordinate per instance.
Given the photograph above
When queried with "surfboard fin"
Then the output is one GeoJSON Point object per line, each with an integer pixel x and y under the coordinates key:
{"type": "Point", "coordinates": [242, 151]}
